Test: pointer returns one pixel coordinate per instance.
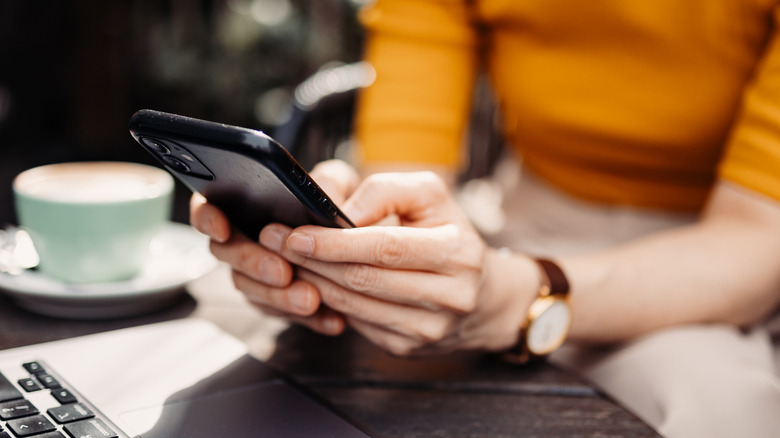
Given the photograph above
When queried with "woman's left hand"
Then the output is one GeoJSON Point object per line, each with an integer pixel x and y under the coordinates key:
{"type": "Point", "coordinates": [428, 285]}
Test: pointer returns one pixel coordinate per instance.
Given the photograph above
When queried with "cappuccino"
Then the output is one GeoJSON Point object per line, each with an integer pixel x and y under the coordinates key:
{"type": "Point", "coordinates": [93, 222]}
{"type": "Point", "coordinates": [93, 182]}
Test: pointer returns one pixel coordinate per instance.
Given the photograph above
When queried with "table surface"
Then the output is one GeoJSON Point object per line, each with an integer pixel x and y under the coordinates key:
{"type": "Point", "coordinates": [463, 395]}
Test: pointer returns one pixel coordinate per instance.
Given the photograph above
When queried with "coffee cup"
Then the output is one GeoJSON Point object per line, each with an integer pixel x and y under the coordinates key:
{"type": "Point", "coordinates": [93, 222]}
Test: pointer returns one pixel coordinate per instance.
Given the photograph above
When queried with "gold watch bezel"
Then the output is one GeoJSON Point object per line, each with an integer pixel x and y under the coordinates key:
{"type": "Point", "coordinates": [541, 305]}
{"type": "Point", "coordinates": [551, 276]}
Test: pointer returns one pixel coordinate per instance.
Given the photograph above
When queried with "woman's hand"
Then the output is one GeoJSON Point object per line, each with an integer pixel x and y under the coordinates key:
{"type": "Point", "coordinates": [263, 276]}
{"type": "Point", "coordinates": [428, 285]}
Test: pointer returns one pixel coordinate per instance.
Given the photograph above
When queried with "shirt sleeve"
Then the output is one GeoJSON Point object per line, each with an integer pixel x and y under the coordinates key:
{"type": "Point", "coordinates": [424, 54]}
{"type": "Point", "coordinates": [752, 154]}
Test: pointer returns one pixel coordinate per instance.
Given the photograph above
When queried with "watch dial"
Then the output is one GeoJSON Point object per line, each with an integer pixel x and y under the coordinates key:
{"type": "Point", "coordinates": [549, 329]}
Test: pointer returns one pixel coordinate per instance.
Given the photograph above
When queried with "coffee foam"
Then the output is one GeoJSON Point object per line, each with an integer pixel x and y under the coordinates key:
{"type": "Point", "coordinates": [91, 183]}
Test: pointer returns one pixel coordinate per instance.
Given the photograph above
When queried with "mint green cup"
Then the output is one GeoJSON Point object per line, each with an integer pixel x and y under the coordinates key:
{"type": "Point", "coordinates": [93, 222]}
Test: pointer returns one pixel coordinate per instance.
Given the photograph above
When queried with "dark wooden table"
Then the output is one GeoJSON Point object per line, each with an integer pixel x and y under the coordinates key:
{"type": "Point", "coordinates": [460, 395]}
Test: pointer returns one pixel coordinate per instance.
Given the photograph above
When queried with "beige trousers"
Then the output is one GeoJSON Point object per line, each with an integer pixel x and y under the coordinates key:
{"type": "Point", "coordinates": [689, 381]}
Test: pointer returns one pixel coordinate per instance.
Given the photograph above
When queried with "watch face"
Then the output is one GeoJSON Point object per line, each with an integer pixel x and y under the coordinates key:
{"type": "Point", "coordinates": [548, 329]}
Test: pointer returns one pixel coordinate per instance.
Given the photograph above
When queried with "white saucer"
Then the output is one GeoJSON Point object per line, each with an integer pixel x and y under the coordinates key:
{"type": "Point", "coordinates": [178, 255]}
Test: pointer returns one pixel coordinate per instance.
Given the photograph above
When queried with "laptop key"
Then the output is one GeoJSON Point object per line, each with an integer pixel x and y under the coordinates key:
{"type": "Point", "coordinates": [48, 381]}
{"type": "Point", "coordinates": [63, 396]}
{"type": "Point", "coordinates": [17, 409]}
{"type": "Point", "coordinates": [34, 368]}
{"type": "Point", "coordinates": [7, 390]}
{"type": "Point", "coordinates": [29, 385]}
{"type": "Point", "coordinates": [30, 426]}
{"type": "Point", "coordinates": [70, 413]}
{"type": "Point", "coordinates": [94, 428]}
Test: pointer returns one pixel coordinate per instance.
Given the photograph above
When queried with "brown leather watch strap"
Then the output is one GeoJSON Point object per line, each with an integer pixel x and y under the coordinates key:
{"type": "Point", "coordinates": [553, 282]}
{"type": "Point", "coordinates": [555, 279]}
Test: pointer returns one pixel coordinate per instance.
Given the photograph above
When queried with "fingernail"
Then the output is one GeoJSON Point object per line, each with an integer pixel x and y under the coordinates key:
{"type": "Point", "coordinates": [271, 271]}
{"type": "Point", "coordinates": [211, 230]}
{"type": "Point", "coordinates": [272, 237]}
{"type": "Point", "coordinates": [332, 324]}
{"type": "Point", "coordinates": [301, 243]}
{"type": "Point", "coordinates": [301, 299]}
{"type": "Point", "coordinates": [353, 212]}
{"type": "Point", "coordinates": [207, 227]}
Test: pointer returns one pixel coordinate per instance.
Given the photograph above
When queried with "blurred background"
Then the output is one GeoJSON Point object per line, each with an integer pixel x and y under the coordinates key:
{"type": "Point", "coordinates": [72, 72]}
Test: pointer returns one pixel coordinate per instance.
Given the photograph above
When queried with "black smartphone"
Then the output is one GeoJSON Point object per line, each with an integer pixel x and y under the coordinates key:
{"type": "Point", "coordinates": [244, 172]}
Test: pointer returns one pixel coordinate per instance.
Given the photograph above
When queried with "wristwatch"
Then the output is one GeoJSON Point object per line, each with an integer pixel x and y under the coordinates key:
{"type": "Point", "coordinates": [549, 317]}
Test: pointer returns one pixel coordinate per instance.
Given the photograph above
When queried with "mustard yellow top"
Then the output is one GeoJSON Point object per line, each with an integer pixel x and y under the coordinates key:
{"type": "Point", "coordinates": [633, 102]}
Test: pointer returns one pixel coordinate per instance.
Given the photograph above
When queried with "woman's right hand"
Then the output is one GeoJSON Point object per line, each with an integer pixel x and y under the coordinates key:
{"type": "Point", "coordinates": [266, 279]}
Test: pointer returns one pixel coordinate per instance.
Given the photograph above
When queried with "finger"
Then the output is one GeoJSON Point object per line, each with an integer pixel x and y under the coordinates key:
{"type": "Point", "coordinates": [253, 260]}
{"type": "Point", "coordinates": [298, 298]}
{"type": "Point", "coordinates": [418, 198]}
{"type": "Point", "coordinates": [408, 321]}
{"type": "Point", "coordinates": [459, 274]}
{"type": "Point", "coordinates": [416, 289]}
{"type": "Point", "coordinates": [299, 303]}
{"type": "Point", "coordinates": [208, 219]}
{"type": "Point", "coordinates": [324, 321]}
{"type": "Point", "coordinates": [393, 343]}
{"type": "Point", "coordinates": [337, 178]}
{"type": "Point", "coordinates": [400, 345]}
{"type": "Point", "coordinates": [445, 248]}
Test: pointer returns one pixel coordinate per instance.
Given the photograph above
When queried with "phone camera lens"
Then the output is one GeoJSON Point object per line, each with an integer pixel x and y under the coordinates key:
{"type": "Point", "coordinates": [176, 164]}
{"type": "Point", "coordinates": [157, 146]}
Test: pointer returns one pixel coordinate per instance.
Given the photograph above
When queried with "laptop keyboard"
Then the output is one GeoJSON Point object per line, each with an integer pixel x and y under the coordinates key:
{"type": "Point", "coordinates": [35, 402]}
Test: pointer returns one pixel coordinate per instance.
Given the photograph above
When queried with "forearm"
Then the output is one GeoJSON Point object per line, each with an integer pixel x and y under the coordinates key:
{"type": "Point", "coordinates": [722, 269]}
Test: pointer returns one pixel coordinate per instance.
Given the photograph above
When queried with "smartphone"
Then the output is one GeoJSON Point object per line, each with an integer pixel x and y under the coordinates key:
{"type": "Point", "coordinates": [244, 172]}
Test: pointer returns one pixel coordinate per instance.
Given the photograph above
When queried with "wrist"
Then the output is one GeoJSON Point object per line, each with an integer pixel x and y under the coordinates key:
{"type": "Point", "coordinates": [548, 319]}
{"type": "Point", "coordinates": [513, 279]}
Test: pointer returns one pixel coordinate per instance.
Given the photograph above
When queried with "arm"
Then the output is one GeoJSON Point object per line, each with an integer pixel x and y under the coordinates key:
{"type": "Point", "coordinates": [431, 285]}
{"type": "Point", "coordinates": [425, 55]}
{"type": "Point", "coordinates": [724, 268]}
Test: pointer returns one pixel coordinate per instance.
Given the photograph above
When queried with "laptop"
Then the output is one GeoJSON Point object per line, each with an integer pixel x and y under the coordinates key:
{"type": "Point", "coordinates": [178, 379]}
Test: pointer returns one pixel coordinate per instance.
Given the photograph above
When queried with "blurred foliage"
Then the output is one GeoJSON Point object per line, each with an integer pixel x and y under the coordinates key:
{"type": "Point", "coordinates": [225, 56]}
{"type": "Point", "coordinates": [73, 65]}
{"type": "Point", "coordinates": [72, 72]}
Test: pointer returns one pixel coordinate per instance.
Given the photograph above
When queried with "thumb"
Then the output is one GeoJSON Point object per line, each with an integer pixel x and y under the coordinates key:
{"type": "Point", "coordinates": [336, 178]}
{"type": "Point", "coordinates": [418, 199]}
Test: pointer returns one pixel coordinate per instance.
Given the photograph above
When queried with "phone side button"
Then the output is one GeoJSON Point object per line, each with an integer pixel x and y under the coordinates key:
{"type": "Point", "coordinates": [328, 206]}
{"type": "Point", "coordinates": [298, 177]}
{"type": "Point", "coordinates": [312, 189]}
